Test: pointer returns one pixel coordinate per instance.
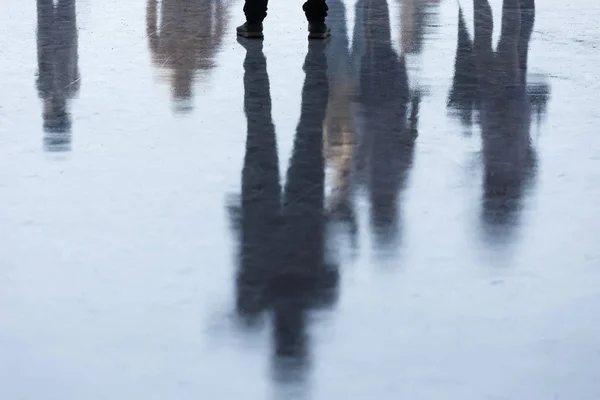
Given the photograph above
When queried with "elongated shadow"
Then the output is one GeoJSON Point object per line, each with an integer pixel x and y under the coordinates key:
{"type": "Point", "coordinates": [284, 269]}
{"type": "Point", "coordinates": [387, 122]}
{"type": "Point", "coordinates": [261, 213]}
{"type": "Point", "coordinates": [463, 95]}
{"type": "Point", "coordinates": [58, 77]}
{"type": "Point", "coordinates": [340, 130]}
{"type": "Point", "coordinates": [185, 41]}
{"type": "Point", "coordinates": [509, 160]}
{"type": "Point", "coordinates": [307, 279]}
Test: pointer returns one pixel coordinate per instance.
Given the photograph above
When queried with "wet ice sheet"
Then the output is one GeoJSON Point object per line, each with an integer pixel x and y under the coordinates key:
{"type": "Point", "coordinates": [119, 260]}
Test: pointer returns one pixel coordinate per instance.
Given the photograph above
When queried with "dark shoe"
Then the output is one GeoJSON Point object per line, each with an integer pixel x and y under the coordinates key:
{"type": "Point", "coordinates": [318, 31]}
{"type": "Point", "coordinates": [251, 30]}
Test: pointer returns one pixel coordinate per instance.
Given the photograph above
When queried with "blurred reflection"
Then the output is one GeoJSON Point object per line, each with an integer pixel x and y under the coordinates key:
{"type": "Point", "coordinates": [283, 261]}
{"type": "Point", "coordinates": [416, 16]}
{"type": "Point", "coordinates": [340, 133]}
{"type": "Point", "coordinates": [538, 92]}
{"type": "Point", "coordinates": [504, 113]}
{"type": "Point", "coordinates": [463, 95]}
{"type": "Point", "coordinates": [186, 41]}
{"type": "Point", "coordinates": [358, 39]}
{"type": "Point", "coordinates": [387, 130]}
{"type": "Point", "coordinates": [464, 98]}
{"type": "Point", "coordinates": [58, 73]}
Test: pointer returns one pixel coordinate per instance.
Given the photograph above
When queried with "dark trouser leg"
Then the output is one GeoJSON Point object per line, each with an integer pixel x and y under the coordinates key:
{"type": "Point", "coordinates": [315, 10]}
{"type": "Point", "coordinates": [255, 10]}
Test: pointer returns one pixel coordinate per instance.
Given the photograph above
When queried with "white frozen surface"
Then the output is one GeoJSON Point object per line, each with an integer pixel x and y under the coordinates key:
{"type": "Point", "coordinates": [117, 258]}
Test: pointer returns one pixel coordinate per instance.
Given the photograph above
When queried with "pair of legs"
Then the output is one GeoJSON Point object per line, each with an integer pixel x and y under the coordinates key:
{"type": "Point", "coordinates": [256, 12]}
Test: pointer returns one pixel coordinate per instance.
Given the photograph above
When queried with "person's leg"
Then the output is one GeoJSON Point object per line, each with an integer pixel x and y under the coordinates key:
{"type": "Point", "coordinates": [316, 12]}
{"type": "Point", "coordinates": [255, 11]}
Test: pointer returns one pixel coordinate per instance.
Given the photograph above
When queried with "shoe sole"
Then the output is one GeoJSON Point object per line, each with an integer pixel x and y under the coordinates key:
{"type": "Point", "coordinates": [251, 35]}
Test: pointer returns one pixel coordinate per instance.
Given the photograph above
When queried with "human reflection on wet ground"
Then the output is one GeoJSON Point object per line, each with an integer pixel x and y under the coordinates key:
{"type": "Point", "coordinates": [339, 126]}
{"type": "Point", "coordinates": [387, 130]}
{"type": "Point", "coordinates": [366, 133]}
{"type": "Point", "coordinates": [284, 264]}
{"type": "Point", "coordinates": [494, 83]}
{"type": "Point", "coordinates": [464, 97]}
{"type": "Point", "coordinates": [371, 123]}
{"type": "Point", "coordinates": [185, 41]}
{"type": "Point", "coordinates": [508, 158]}
{"type": "Point", "coordinates": [283, 267]}
{"type": "Point", "coordinates": [58, 77]}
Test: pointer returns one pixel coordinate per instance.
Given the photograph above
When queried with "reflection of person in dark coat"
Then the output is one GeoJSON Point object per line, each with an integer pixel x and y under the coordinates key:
{"type": "Point", "coordinates": [283, 266]}
{"type": "Point", "coordinates": [463, 98]}
{"type": "Point", "coordinates": [494, 83]}
{"type": "Point", "coordinates": [388, 131]}
{"type": "Point", "coordinates": [505, 112]}
{"type": "Point", "coordinates": [58, 73]}
{"type": "Point", "coordinates": [463, 95]}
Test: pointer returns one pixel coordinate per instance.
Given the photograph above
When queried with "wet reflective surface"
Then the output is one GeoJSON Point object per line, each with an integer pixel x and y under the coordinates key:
{"type": "Point", "coordinates": [407, 210]}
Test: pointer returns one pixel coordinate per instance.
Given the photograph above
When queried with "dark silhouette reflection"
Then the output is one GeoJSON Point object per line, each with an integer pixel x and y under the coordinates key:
{"type": "Point", "coordinates": [58, 74]}
{"type": "Point", "coordinates": [358, 39]}
{"type": "Point", "coordinates": [464, 97]}
{"type": "Point", "coordinates": [283, 261]}
{"type": "Point", "coordinates": [387, 120]}
{"type": "Point", "coordinates": [416, 17]}
{"type": "Point", "coordinates": [260, 217]}
{"type": "Point", "coordinates": [504, 113]}
{"type": "Point", "coordinates": [185, 41]}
